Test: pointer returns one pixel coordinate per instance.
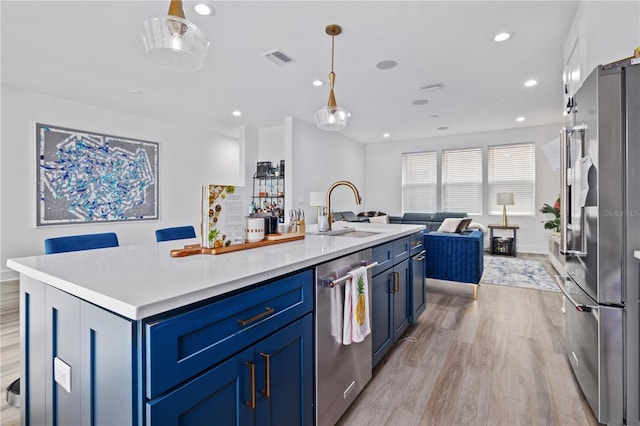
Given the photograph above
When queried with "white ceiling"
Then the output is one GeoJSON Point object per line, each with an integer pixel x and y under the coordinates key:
{"type": "Point", "coordinates": [91, 52]}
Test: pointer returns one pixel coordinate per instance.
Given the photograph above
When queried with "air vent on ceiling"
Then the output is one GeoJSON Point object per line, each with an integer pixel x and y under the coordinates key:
{"type": "Point", "coordinates": [278, 57]}
{"type": "Point", "coordinates": [431, 86]}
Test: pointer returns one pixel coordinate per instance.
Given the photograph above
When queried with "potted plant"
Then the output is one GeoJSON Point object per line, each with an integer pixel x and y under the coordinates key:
{"type": "Point", "coordinates": [554, 223]}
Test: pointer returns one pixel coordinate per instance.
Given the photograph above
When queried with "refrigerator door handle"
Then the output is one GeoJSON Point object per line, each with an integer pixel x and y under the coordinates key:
{"type": "Point", "coordinates": [565, 151]}
{"type": "Point", "coordinates": [579, 307]}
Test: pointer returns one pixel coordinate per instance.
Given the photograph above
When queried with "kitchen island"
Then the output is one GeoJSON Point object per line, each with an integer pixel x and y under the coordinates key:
{"type": "Point", "coordinates": [130, 335]}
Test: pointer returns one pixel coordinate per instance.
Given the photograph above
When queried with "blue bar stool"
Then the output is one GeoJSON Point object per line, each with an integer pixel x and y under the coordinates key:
{"type": "Point", "coordinates": [80, 242]}
{"type": "Point", "coordinates": [176, 233]}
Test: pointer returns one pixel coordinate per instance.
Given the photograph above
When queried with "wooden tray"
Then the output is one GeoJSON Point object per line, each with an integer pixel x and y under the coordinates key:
{"type": "Point", "coordinates": [271, 239]}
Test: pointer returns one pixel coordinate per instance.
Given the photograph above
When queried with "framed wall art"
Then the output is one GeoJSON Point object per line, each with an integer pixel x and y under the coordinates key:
{"type": "Point", "coordinates": [86, 177]}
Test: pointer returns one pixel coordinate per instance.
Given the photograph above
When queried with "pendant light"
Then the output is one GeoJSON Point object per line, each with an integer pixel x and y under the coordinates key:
{"type": "Point", "coordinates": [332, 117]}
{"type": "Point", "coordinates": [174, 43]}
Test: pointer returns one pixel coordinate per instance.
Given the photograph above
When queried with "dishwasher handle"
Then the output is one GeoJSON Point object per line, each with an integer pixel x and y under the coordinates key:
{"type": "Point", "coordinates": [337, 281]}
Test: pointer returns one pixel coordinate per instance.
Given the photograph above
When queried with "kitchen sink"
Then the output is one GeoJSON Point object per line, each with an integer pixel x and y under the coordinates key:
{"type": "Point", "coordinates": [349, 232]}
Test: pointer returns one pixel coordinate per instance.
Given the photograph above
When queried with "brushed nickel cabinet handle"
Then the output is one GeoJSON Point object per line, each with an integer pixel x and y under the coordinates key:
{"type": "Point", "coordinates": [396, 282]}
{"type": "Point", "coordinates": [267, 311]}
{"type": "Point", "coordinates": [252, 402]}
{"type": "Point", "coordinates": [267, 362]}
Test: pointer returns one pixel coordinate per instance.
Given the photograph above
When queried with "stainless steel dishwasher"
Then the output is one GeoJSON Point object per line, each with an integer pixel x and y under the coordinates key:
{"type": "Point", "coordinates": [342, 371]}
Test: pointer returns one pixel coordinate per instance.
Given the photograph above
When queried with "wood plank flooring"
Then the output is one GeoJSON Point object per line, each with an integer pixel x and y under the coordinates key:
{"type": "Point", "coordinates": [9, 347]}
{"type": "Point", "coordinates": [495, 361]}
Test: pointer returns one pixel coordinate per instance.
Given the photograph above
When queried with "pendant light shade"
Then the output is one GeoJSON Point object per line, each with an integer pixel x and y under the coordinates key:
{"type": "Point", "coordinates": [332, 117]}
{"type": "Point", "coordinates": [174, 43]}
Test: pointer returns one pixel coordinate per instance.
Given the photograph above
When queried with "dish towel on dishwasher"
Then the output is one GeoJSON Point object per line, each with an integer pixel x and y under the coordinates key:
{"type": "Point", "coordinates": [356, 307]}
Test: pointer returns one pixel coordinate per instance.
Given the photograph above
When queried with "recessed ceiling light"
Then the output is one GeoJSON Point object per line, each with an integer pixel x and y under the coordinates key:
{"type": "Point", "coordinates": [420, 102]}
{"type": "Point", "coordinates": [317, 83]}
{"type": "Point", "coordinates": [204, 9]}
{"type": "Point", "coordinates": [442, 128]}
{"type": "Point", "coordinates": [502, 37]}
{"type": "Point", "coordinates": [530, 83]}
{"type": "Point", "coordinates": [386, 135]}
{"type": "Point", "coordinates": [519, 119]}
{"type": "Point", "coordinates": [135, 91]}
{"type": "Point", "coordinates": [386, 65]}
{"type": "Point", "coordinates": [434, 116]}
{"type": "Point", "coordinates": [236, 113]}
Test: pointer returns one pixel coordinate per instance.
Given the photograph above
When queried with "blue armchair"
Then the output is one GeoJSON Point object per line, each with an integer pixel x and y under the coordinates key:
{"type": "Point", "coordinates": [455, 257]}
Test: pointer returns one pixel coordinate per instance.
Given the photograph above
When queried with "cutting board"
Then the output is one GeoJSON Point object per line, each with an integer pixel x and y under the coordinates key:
{"type": "Point", "coordinates": [269, 240]}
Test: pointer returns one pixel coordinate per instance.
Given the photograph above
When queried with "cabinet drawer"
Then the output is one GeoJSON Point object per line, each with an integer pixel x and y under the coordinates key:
{"type": "Point", "coordinates": [417, 244]}
{"type": "Point", "coordinates": [181, 346]}
{"type": "Point", "coordinates": [401, 249]}
{"type": "Point", "coordinates": [383, 254]}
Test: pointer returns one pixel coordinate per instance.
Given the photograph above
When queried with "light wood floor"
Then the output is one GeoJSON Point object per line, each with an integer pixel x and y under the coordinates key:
{"type": "Point", "coordinates": [495, 361]}
{"type": "Point", "coordinates": [9, 348]}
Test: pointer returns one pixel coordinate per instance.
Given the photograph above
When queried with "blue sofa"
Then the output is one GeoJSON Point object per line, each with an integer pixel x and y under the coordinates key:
{"type": "Point", "coordinates": [455, 257]}
{"type": "Point", "coordinates": [431, 220]}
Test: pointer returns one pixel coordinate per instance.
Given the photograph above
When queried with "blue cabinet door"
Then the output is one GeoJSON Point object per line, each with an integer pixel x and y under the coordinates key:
{"type": "Point", "coordinates": [401, 299]}
{"type": "Point", "coordinates": [418, 294]}
{"type": "Point", "coordinates": [221, 396]}
{"type": "Point", "coordinates": [381, 315]}
{"type": "Point", "coordinates": [284, 376]}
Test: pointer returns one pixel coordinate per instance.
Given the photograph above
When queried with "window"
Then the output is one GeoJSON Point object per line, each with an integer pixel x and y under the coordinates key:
{"type": "Point", "coordinates": [511, 168]}
{"type": "Point", "coordinates": [462, 180]}
{"type": "Point", "coordinates": [420, 182]}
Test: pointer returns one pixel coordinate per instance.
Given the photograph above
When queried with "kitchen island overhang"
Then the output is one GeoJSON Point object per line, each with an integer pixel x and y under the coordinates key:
{"type": "Point", "coordinates": [140, 281]}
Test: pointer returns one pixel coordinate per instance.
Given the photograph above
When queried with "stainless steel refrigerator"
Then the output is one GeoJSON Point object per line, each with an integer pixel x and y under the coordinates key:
{"type": "Point", "coordinates": [600, 216]}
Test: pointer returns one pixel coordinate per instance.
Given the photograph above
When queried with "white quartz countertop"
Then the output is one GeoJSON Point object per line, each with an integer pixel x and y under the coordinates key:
{"type": "Point", "coordinates": [138, 281]}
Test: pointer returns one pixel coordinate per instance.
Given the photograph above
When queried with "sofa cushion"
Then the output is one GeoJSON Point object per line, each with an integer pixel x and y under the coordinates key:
{"type": "Point", "coordinates": [450, 225]}
{"type": "Point", "coordinates": [440, 216]}
{"type": "Point", "coordinates": [417, 218]}
{"type": "Point", "coordinates": [349, 216]}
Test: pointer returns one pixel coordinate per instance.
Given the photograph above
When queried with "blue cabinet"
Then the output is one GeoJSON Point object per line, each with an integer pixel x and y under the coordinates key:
{"type": "Point", "coordinates": [400, 291]}
{"type": "Point", "coordinates": [418, 303]}
{"type": "Point", "coordinates": [390, 298]}
{"type": "Point", "coordinates": [381, 316]}
{"type": "Point", "coordinates": [270, 383]}
{"type": "Point", "coordinates": [97, 349]}
{"type": "Point", "coordinates": [241, 359]}
{"type": "Point", "coordinates": [248, 358]}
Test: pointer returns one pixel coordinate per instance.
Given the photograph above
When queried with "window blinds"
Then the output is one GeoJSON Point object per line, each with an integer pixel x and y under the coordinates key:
{"type": "Point", "coordinates": [420, 182]}
{"type": "Point", "coordinates": [462, 180]}
{"type": "Point", "coordinates": [511, 168]}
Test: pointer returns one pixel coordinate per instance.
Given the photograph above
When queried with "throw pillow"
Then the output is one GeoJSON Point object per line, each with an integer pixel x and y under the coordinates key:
{"type": "Point", "coordinates": [450, 224]}
{"type": "Point", "coordinates": [379, 219]}
{"type": "Point", "coordinates": [464, 223]}
{"type": "Point", "coordinates": [476, 225]}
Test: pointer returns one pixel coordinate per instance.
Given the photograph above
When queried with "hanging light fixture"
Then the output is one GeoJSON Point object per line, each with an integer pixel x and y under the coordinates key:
{"type": "Point", "coordinates": [173, 42]}
{"type": "Point", "coordinates": [332, 117]}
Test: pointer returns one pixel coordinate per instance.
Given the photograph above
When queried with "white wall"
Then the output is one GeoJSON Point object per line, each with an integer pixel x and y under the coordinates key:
{"type": "Point", "coordinates": [384, 176]}
{"type": "Point", "coordinates": [271, 144]}
{"type": "Point", "coordinates": [318, 159]}
{"type": "Point", "coordinates": [188, 159]}
{"type": "Point", "coordinates": [602, 32]}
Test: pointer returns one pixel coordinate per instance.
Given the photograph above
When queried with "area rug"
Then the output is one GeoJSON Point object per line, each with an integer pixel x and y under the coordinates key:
{"type": "Point", "coordinates": [511, 271]}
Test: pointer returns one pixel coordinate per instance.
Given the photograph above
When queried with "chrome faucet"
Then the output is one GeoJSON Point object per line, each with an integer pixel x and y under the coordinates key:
{"type": "Point", "coordinates": [334, 186]}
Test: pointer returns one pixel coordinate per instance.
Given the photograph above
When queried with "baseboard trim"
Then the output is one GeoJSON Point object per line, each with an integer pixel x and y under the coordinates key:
{"type": "Point", "coordinates": [9, 275]}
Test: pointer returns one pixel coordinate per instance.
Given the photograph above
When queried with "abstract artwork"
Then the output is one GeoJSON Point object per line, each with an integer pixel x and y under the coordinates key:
{"type": "Point", "coordinates": [88, 177]}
